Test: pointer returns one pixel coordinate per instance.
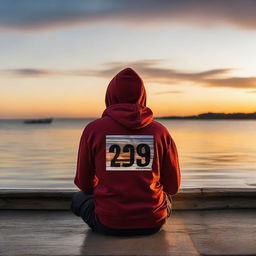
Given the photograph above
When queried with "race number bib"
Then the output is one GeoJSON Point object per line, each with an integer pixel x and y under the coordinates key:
{"type": "Point", "coordinates": [129, 152]}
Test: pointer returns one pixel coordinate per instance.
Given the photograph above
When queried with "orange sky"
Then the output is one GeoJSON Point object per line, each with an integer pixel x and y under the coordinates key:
{"type": "Point", "coordinates": [88, 100]}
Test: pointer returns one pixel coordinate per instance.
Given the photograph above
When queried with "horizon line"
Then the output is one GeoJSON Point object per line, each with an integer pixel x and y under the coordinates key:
{"type": "Point", "coordinates": [209, 112]}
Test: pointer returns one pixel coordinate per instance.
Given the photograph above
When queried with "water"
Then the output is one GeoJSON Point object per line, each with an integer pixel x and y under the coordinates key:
{"type": "Point", "coordinates": [215, 153]}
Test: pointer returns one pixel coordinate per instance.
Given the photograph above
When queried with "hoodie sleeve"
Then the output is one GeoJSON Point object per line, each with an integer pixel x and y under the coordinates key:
{"type": "Point", "coordinates": [170, 171]}
{"type": "Point", "coordinates": [85, 171]}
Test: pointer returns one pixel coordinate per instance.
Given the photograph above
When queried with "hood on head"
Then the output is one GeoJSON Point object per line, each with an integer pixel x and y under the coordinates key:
{"type": "Point", "coordinates": [126, 100]}
{"type": "Point", "coordinates": [126, 87]}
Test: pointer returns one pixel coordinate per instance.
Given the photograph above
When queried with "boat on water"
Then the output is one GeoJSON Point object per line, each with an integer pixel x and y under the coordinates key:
{"type": "Point", "coordinates": [38, 121]}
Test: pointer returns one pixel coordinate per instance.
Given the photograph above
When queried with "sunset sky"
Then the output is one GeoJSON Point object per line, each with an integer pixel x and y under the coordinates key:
{"type": "Point", "coordinates": [57, 57]}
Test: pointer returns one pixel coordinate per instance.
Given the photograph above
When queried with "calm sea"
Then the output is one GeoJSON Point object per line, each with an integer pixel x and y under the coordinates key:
{"type": "Point", "coordinates": [216, 153]}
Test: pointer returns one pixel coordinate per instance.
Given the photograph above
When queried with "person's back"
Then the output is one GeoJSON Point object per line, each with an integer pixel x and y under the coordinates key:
{"type": "Point", "coordinates": [127, 161]}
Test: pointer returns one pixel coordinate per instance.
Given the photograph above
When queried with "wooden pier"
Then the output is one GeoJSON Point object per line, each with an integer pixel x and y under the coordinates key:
{"type": "Point", "coordinates": [204, 222]}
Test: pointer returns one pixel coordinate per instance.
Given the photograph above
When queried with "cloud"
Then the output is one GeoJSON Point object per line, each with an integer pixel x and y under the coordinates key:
{"type": "Point", "coordinates": [27, 72]}
{"type": "Point", "coordinates": [150, 71]}
{"type": "Point", "coordinates": [35, 72]}
{"type": "Point", "coordinates": [233, 82]}
{"type": "Point", "coordinates": [45, 14]}
{"type": "Point", "coordinates": [168, 92]}
{"type": "Point", "coordinates": [253, 91]}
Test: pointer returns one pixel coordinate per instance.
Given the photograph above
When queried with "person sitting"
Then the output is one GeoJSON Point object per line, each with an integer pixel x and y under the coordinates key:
{"type": "Point", "coordinates": [127, 164]}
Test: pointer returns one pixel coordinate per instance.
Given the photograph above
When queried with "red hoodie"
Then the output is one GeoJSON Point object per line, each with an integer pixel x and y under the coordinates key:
{"type": "Point", "coordinates": [127, 160]}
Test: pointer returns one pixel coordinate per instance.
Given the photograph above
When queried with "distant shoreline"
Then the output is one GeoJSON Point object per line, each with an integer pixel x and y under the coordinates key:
{"type": "Point", "coordinates": [214, 116]}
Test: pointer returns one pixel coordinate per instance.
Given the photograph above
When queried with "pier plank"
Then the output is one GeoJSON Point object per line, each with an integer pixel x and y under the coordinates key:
{"type": "Point", "coordinates": [186, 199]}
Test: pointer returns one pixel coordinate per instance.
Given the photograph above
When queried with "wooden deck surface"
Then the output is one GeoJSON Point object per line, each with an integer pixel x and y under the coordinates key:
{"type": "Point", "coordinates": [206, 232]}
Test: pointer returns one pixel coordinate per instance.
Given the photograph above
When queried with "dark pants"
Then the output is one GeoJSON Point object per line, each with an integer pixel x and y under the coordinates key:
{"type": "Point", "coordinates": [83, 205]}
